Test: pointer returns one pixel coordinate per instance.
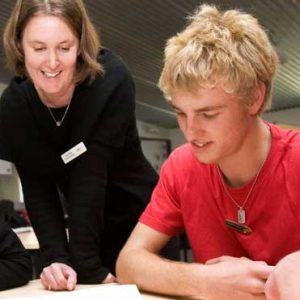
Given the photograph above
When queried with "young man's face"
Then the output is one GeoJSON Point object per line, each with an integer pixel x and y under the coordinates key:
{"type": "Point", "coordinates": [213, 122]}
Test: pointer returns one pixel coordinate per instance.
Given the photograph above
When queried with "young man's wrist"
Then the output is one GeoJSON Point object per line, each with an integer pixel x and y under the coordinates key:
{"type": "Point", "coordinates": [196, 284]}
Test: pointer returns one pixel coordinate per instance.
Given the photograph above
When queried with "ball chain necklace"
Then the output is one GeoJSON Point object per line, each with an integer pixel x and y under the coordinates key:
{"type": "Point", "coordinates": [58, 123]}
{"type": "Point", "coordinates": [241, 213]}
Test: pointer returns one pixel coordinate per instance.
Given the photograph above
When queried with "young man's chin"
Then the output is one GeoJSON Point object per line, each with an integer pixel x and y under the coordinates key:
{"type": "Point", "coordinates": [204, 158]}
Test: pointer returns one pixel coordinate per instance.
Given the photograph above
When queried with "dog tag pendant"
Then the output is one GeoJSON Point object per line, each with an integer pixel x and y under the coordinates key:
{"type": "Point", "coordinates": [241, 216]}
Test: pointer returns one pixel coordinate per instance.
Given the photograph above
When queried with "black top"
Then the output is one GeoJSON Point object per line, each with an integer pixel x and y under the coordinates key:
{"type": "Point", "coordinates": [106, 188]}
{"type": "Point", "coordinates": [15, 263]}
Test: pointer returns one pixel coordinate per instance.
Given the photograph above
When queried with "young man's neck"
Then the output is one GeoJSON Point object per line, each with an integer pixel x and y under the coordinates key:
{"type": "Point", "coordinates": [241, 168]}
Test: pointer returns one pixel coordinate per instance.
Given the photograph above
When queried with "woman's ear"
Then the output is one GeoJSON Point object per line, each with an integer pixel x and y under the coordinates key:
{"type": "Point", "coordinates": [258, 99]}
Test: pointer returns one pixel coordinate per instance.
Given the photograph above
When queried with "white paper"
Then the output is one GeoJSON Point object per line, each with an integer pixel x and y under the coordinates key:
{"type": "Point", "coordinates": [103, 292]}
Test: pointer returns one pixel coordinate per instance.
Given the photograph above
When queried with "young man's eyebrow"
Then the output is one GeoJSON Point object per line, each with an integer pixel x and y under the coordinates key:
{"type": "Point", "coordinates": [206, 108]}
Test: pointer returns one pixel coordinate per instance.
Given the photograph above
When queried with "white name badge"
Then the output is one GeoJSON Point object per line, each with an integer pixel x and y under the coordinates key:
{"type": "Point", "coordinates": [73, 152]}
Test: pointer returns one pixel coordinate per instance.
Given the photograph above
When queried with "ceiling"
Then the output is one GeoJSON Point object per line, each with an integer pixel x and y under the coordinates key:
{"type": "Point", "coordinates": [137, 30]}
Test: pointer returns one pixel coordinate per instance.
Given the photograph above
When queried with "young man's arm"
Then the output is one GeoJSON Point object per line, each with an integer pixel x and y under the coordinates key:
{"type": "Point", "coordinates": [226, 278]}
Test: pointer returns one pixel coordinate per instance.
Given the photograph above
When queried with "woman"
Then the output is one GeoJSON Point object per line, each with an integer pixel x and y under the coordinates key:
{"type": "Point", "coordinates": [15, 263]}
{"type": "Point", "coordinates": [68, 124]}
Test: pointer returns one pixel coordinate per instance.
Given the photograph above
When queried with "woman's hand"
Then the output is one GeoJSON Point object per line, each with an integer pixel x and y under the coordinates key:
{"type": "Point", "coordinates": [58, 276]}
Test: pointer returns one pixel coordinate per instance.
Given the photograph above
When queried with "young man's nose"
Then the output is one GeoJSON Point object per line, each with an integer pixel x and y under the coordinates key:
{"type": "Point", "coordinates": [192, 128]}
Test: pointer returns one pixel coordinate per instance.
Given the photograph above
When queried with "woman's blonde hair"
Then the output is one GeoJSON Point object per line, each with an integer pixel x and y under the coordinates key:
{"type": "Point", "coordinates": [74, 14]}
{"type": "Point", "coordinates": [228, 48]}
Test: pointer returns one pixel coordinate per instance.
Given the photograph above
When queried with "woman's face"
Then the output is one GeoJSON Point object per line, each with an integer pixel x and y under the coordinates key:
{"type": "Point", "coordinates": [50, 50]}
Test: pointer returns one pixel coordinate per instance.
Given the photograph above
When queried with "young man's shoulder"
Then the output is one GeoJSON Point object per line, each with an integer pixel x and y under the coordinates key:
{"type": "Point", "coordinates": [287, 146]}
{"type": "Point", "coordinates": [290, 138]}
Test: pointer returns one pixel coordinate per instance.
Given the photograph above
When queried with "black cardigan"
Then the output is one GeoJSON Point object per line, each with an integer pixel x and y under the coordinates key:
{"type": "Point", "coordinates": [106, 188]}
{"type": "Point", "coordinates": [15, 262]}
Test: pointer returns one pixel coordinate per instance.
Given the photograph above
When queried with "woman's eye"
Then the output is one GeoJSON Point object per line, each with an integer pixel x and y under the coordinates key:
{"type": "Point", "coordinates": [39, 49]}
{"type": "Point", "coordinates": [65, 49]}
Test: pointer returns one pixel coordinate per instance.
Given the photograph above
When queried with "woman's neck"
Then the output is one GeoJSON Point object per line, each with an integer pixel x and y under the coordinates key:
{"type": "Point", "coordinates": [56, 100]}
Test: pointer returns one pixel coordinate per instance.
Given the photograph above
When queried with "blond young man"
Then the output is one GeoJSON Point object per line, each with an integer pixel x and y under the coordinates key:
{"type": "Point", "coordinates": [233, 187]}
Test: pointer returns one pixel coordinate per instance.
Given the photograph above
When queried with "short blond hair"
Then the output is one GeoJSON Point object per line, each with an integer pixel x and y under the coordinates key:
{"type": "Point", "coordinates": [217, 47]}
{"type": "Point", "coordinates": [74, 14]}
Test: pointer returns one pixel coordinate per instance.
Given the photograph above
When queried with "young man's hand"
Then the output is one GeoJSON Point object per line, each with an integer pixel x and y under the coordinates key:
{"type": "Point", "coordinates": [230, 278]}
{"type": "Point", "coordinates": [283, 283]}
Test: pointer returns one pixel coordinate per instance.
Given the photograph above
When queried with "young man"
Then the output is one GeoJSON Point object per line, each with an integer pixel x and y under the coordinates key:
{"type": "Point", "coordinates": [234, 186]}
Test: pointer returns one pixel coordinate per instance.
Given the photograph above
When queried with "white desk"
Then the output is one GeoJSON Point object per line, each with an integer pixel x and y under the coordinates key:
{"type": "Point", "coordinates": [35, 288]}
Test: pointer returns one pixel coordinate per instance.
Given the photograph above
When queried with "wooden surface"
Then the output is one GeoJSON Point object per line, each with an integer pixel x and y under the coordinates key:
{"type": "Point", "coordinates": [34, 288]}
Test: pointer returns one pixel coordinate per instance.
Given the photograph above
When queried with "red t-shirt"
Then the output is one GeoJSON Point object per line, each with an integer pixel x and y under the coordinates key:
{"type": "Point", "coordinates": [190, 195]}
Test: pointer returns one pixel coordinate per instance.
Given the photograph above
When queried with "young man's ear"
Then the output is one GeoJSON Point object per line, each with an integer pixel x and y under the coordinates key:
{"type": "Point", "coordinates": [258, 99]}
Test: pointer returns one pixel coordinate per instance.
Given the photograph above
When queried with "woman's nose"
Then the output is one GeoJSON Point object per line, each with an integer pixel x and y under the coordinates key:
{"type": "Point", "coordinates": [53, 61]}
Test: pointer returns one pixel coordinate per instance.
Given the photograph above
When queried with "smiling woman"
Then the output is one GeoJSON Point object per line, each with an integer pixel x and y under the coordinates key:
{"type": "Point", "coordinates": [70, 111]}
{"type": "Point", "coordinates": [50, 51]}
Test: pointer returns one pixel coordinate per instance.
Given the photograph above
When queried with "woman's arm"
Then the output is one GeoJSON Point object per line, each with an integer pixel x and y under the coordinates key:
{"type": "Point", "coordinates": [89, 175]}
{"type": "Point", "coordinates": [88, 182]}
